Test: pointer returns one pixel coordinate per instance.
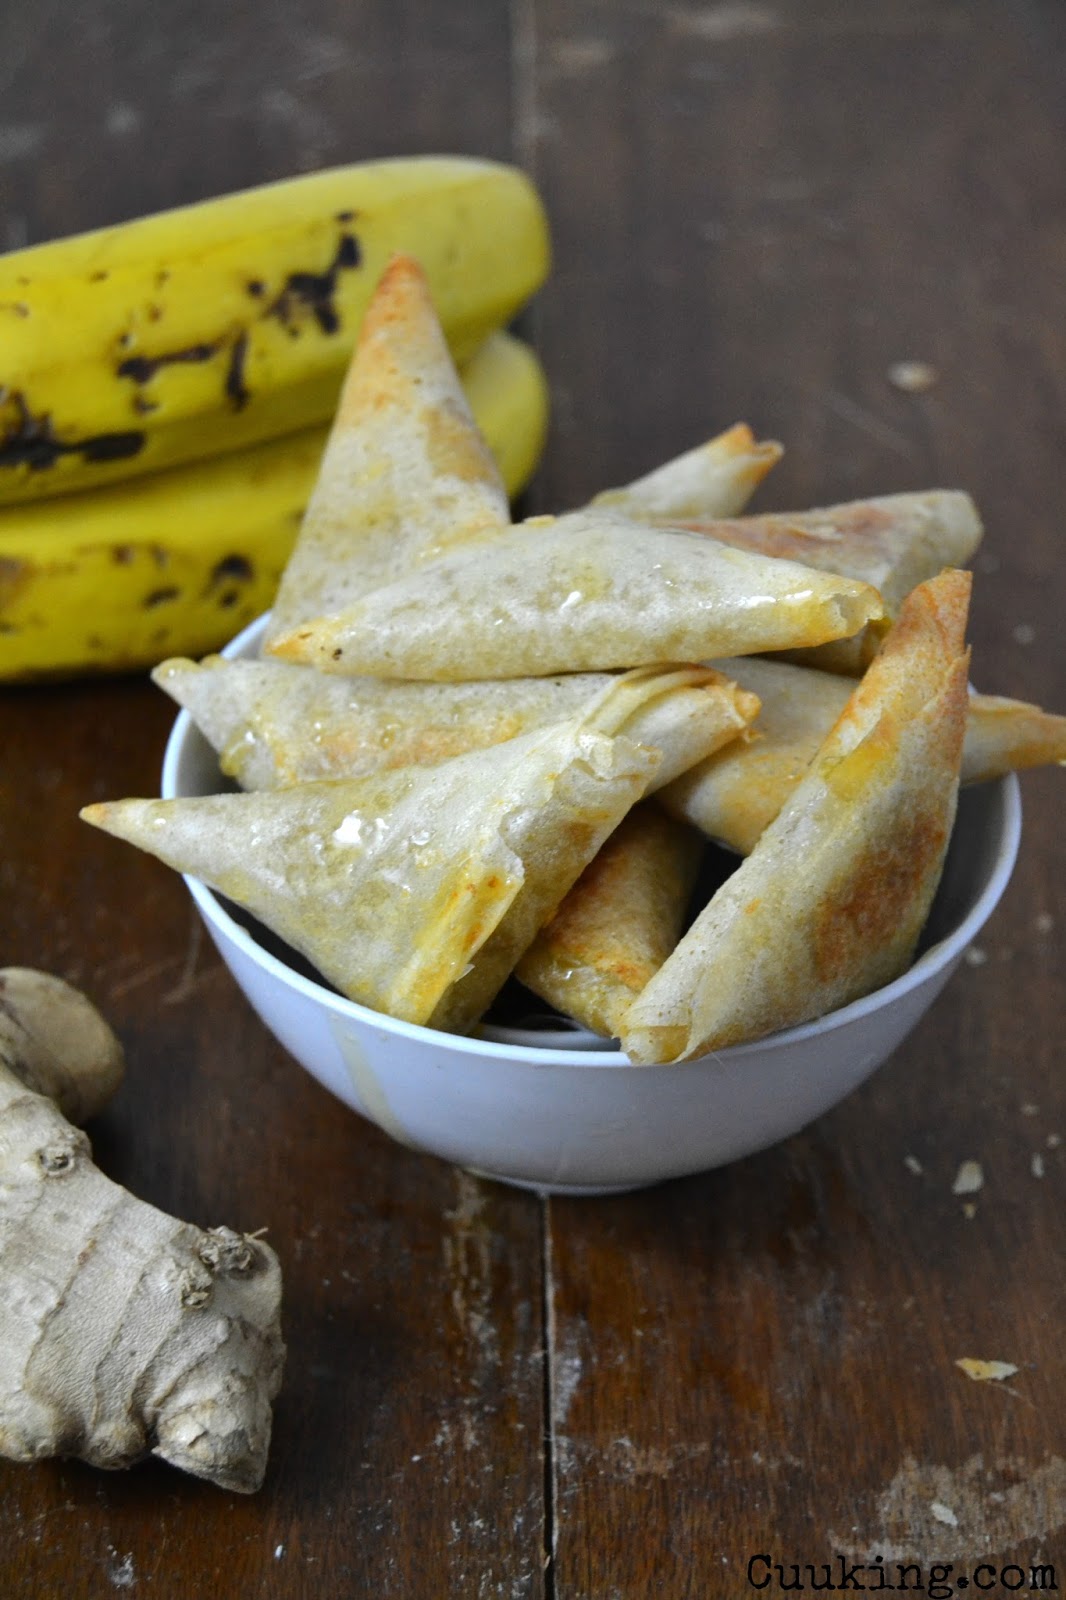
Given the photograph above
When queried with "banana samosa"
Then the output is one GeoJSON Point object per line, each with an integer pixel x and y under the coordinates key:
{"type": "Point", "coordinates": [832, 899]}
{"type": "Point", "coordinates": [578, 593]}
{"type": "Point", "coordinates": [893, 543]}
{"type": "Point", "coordinates": [405, 474]}
{"type": "Point", "coordinates": [416, 891]}
{"type": "Point", "coordinates": [275, 724]}
{"type": "Point", "coordinates": [619, 922]}
{"type": "Point", "coordinates": [735, 794]}
{"type": "Point", "coordinates": [717, 479]}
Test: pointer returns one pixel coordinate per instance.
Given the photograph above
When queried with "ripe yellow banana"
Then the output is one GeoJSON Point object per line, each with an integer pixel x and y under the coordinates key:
{"type": "Point", "coordinates": [177, 562]}
{"type": "Point", "coordinates": [205, 329]}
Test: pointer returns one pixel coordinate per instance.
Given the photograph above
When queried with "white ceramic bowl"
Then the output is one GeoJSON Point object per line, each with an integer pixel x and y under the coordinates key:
{"type": "Point", "coordinates": [565, 1112]}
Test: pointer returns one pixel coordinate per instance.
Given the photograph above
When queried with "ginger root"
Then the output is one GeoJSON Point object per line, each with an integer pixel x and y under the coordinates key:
{"type": "Point", "coordinates": [123, 1332]}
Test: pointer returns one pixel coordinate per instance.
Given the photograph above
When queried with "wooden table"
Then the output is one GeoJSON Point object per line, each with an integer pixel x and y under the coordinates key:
{"type": "Point", "coordinates": [758, 207]}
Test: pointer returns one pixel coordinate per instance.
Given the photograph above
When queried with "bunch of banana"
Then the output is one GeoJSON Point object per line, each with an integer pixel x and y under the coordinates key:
{"type": "Point", "coordinates": [166, 388]}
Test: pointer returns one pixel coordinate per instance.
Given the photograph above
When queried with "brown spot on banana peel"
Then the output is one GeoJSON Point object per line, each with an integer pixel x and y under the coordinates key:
{"type": "Point", "coordinates": [315, 292]}
{"type": "Point", "coordinates": [30, 441]}
{"type": "Point", "coordinates": [225, 584]}
{"type": "Point", "coordinates": [142, 369]}
{"type": "Point", "coordinates": [234, 567]}
{"type": "Point", "coordinates": [238, 393]}
{"type": "Point", "coordinates": [14, 576]}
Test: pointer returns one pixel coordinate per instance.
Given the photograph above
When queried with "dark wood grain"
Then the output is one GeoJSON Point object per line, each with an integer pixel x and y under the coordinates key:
{"type": "Point", "coordinates": [757, 209]}
{"type": "Point", "coordinates": [112, 116]}
{"type": "Point", "coordinates": [776, 204]}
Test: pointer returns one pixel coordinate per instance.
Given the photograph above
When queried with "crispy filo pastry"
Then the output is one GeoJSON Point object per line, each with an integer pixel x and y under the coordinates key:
{"type": "Point", "coordinates": [275, 724]}
{"type": "Point", "coordinates": [619, 922]}
{"type": "Point", "coordinates": [735, 795]}
{"type": "Point", "coordinates": [416, 891]}
{"type": "Point", "coordinates": [832, 900]}
{"type": "Point", "coordinates": [392, 886]}
{"type": "Point", "coordinates": [893, 542]}
{"type": "Point", "coordinates": [405, 473]}
{"type": "Point", "coordinates": [717, 479]}
{"type": "Point", "coordinates": [1004, 735]}
{"type": "Point", "coordinates": [579, 593]}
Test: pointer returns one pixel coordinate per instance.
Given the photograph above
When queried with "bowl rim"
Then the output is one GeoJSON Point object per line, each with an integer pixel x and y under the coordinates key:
{"type": "Point", "coordinates": [929, 964]}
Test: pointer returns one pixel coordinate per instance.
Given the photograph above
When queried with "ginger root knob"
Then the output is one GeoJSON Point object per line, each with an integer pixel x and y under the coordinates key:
{"type": "Point", "coordinates": [56, 1042]}
{"type": "Point", "coordinates": [123, 1332]}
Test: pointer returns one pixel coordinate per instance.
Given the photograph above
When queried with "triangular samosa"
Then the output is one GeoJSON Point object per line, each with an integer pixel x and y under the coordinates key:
{"type": "Point", "coordinates": [832, 900]}
{"type": "Point", "coordinates": [416, 891]}
{"type": "Point", "coordinates": [619, 922]}
{"type": "Point", "coordinates": [717, 479]}
{"type": "Point", "coordinates": [734, 801]}
{"type": "Point", "coordinates": [579, 593]}
{"type": "Point", "coordinates": [275, 724]}
{"type": "Point", "coordinates": [1004, 735]}
{"type": "Point", "coordinates": [405, 472]}
{"type": "Point", "coordinates": [893, 543]}
{"type": "Point", "coordinates": [735, 794]}
{"type": "Point", "coordinates": [392, 885]}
